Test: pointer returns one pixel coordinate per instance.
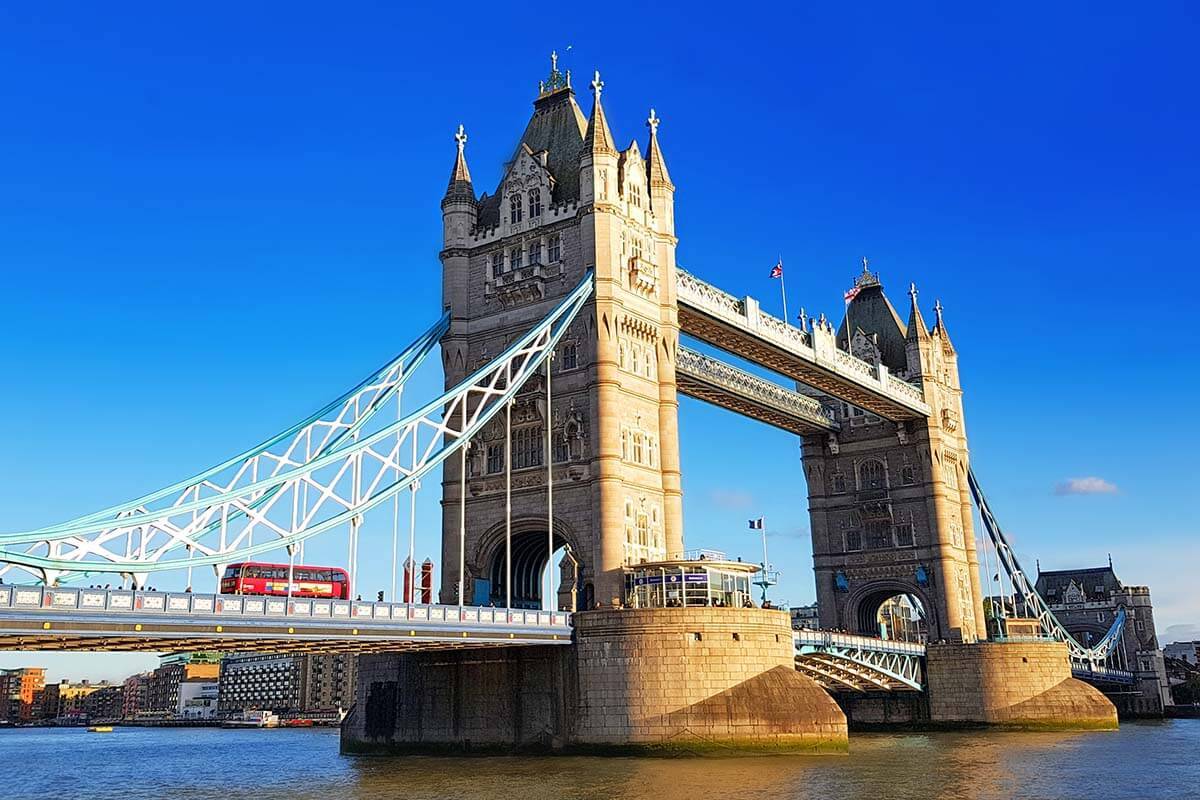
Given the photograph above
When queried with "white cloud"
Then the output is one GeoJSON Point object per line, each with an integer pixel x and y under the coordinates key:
{"type": "Point", "coordinates": [1085, 486]}
{"type": "Point", "coordinates": [731, 498]}
{"type": "Point", "coordinates": [1185, 632]}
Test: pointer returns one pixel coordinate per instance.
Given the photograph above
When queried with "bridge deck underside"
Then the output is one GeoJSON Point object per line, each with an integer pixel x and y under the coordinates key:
{"type": "Point", "coordinates": [42, 632]}
{"type": "Point", "coordinates": [748, 345]}
{"type": "Point", "coordinates": [726, 386]}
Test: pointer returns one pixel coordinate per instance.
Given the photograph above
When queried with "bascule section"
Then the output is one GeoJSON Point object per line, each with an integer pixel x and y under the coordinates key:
{"type": "Point", "coordinates": [583, 469]}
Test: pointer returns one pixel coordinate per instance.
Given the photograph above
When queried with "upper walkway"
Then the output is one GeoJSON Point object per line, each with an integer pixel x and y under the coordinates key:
{"type": "Point", "coordinates": [39, 618]}
{"type": "Point", "coordinates": [724, 385]}
{"type": "Point", "coordinates": [811, 357]}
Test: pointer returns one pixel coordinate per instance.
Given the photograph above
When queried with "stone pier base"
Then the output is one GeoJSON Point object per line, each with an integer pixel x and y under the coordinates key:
{"type": "Point", "coordinates": [1025, 685]}
{"type": "Point", "coordinates": [669, 681]}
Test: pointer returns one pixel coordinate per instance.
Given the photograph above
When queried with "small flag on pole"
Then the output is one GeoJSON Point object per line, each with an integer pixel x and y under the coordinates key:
{"type": "Point", "coordinates": [851, 294]}
{"type": "Point", "coordinates": [777, 270]}
{"type": "Point", "coordinates": [756, 524]}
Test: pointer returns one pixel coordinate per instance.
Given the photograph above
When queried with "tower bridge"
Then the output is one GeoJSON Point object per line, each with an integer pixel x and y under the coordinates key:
{"type": "Point", "coordinates": [557, 439]}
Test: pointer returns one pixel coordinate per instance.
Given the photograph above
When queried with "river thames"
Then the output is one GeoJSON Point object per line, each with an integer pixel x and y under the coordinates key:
{"type": "Point", "coordinates": [1142, 760]}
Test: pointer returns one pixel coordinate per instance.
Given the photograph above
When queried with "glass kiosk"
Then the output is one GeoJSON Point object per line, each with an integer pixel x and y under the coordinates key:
{"type": "Point", "coordinates": [699, 578]}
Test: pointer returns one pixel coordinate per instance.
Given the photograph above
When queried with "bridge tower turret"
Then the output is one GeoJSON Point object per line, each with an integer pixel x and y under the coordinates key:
{"type": "Point", "coordinates": [568, 202]}
{"type": "Point", "coordinates": [889, 501]}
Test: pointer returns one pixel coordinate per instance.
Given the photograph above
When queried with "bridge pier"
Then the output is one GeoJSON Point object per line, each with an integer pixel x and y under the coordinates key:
{"type": "Point", "coordinates": [1025, 685]}
{"type": "Point", "coordinates": [663, 680]}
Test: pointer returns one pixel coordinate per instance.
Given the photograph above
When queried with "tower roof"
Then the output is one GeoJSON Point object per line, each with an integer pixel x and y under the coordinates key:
{"type": "Point", "coordinates": [598, 138]}
{"type": "Point", "coordinates": [871, 312]}
{"type": "Point", "coordinates": [939, 327]}
{"type": "Point", "coordinates": [557, 127]}
{"type": "Point", "coordinates": [656, 166]}
{"type": "Point", "coordinates": [917, 331]}
{"type": "Point", "coordinates": [460, 176]}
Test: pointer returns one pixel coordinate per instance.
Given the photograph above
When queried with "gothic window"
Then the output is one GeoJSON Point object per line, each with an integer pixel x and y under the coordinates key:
{"type": "Point", "coordinates": [651, 450]}
{"type": "Point", "coordinates": [950, 470]}
{"type": "Point", "coordinates": [622, 356]}
{"type": "Point", "coordinates": [639, 443]}
{"type": "Point", "coordinates": [562, 449]}
{"type": "Point", "coordinates": [853, 541]}
{"type": "Point", "coordinates": [904, 535]}
{"type": "Point", "coordinates": [495, 458]}
{"type": "Point", "coordinates": [514, 209]}
{"type": "Point", "coordinates": [535, 203]}
{"type": "Point", "coordinates": [515, 257]}
{"type": "Point", "coordinates": [535, 252]}
{"type": "Point", "coordinates": [623, 244]}
{"type": "Point", "coordinates": [879, 535]}
{"type": "Point", "coordinates": [636, 360]}
{"type": "Point", "coordinates": [527, 447]}
{"type": "Point", "coordinates": [570, 355]}
{"type": "Point", "coordinates": [624, 444]}
{"type": "Point", "coordinates": [872, 475]}
{"type": "Point", "coordinates": [635, 193]}
{"type": "Point", "coordinates": [838, 483]}
{"type": "Point", "coordinates": [554, 248]}
{"type": "Point", "coordinates": [498, 262]}
{"type": "Point", "coordinates": [637, 249]}
{"type": "Point", "coordinates": [908, 474]}
{"type": "Point", "coordinates": [603, 184]}
{"type": "Point", "coordinates": [643, 530]}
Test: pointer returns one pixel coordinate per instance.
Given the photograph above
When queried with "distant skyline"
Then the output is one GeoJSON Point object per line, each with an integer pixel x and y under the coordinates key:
{"type": "Point", "coordinates": [214, 222]}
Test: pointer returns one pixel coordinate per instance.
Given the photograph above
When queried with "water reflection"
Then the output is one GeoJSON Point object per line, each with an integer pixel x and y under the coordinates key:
{"type": "Point", "coordinates": [1139, 761]}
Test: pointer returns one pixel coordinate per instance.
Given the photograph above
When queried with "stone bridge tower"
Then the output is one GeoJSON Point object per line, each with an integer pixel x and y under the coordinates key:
{"type": "Point", "coordinates": [889, 502]}
{"type": "Point", "coordinates": [568, 202]}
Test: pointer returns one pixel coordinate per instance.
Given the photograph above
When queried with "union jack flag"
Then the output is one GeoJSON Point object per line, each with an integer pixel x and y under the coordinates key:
{"type": "Point", "coordinates": [777, 270]}
{"type": "Point", "coordinates": [851, 294]}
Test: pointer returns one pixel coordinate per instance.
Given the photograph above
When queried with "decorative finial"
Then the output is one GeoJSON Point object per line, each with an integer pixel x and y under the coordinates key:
{"type": "Point", "coordinates": [461, 138]}
{"type": "Point", "coordinates": [912, 292]}
{"type": "Point", "coordinates": [865, 262]}
{"type": "Point", "coordinates": [937, 309]}
{"type": "Point", "coordinates": [803, 319]}
{"type": "Point", "coordinates": [556, 80]}
{"type": "Point", "coordinates": [597, 85]}
{"type": "Point", "coordinates": [652, 123]}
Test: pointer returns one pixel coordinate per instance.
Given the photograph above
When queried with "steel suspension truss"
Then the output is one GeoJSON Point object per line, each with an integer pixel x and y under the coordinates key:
{"type": "Point", "coordinates": [1084, 660]}
{"type": "Point", "coordinates": [322, 473]}
{"type": "Point", "coordinates": [845, 662]}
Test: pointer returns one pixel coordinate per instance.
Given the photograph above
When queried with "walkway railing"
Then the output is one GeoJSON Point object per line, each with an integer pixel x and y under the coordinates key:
{"type": "Point", "coordinates": [120, 602]}
{"type": "Point", "coordinates": [814, 350]}
{"type": "Point", "coordinates": [799, 410]}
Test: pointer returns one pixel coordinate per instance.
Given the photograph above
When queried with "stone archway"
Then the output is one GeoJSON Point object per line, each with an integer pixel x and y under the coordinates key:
{"type": "Point", "coordinates": [863, 609]}
{"type": "Point", "coordinates": [530, 556]}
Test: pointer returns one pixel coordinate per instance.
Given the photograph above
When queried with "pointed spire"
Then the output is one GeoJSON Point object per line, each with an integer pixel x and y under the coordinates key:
{"type": "Point", "coordinates": [598, 138]}
{"type": "Point", "coordinates": [939, 325]}
{"type": "Point", "coordinates": [917, 331]}
{"type": "Point", "coordinates": [460, 176]}
{"type": "Point", "coordinates": [655, 163]}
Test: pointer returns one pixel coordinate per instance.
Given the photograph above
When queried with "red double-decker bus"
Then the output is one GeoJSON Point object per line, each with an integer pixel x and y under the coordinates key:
{"type": "Point", "coordinates": [272, 579]}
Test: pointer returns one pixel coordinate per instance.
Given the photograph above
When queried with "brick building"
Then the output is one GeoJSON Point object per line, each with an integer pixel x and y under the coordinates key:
{"type": "Point", "coordinates": [21, 692]}
{"type": "Point", "coordinates": [162, 691]}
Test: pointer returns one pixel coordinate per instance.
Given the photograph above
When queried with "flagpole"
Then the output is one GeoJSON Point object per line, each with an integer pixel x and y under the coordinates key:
{"type": "Point", "coordinates": [783, 291]}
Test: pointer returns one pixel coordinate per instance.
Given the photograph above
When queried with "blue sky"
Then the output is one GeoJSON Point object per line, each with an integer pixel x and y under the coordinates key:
{"type": "Point", "coordinates": [213, 222]}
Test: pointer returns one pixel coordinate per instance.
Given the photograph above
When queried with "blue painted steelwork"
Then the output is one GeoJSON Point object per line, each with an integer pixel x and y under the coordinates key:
{"type": "Point", "coordinates": [368, 467]}
{"type": "Point", "coordinates": [847, 662]}
{"type": "Point", "coordinates": [1090, 660]}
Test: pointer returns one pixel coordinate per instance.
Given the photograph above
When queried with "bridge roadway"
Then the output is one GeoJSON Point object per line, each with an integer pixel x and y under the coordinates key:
{"type": "Point", "coordinates": [811, 357]}
{"type": "Point", "coordinates": [38, 618]}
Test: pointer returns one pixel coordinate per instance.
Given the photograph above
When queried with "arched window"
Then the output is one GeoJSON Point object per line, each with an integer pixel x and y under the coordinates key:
{"type": "Point", "coordinates": [514, 209]}
{"type": "Point", "coordinates": [624, 445]}
{"type": "Point", "coordinates": [535, 203]}
{"type": "Point", "coordinates": [639, 444]}
{"type": "Point", "coordinates": [872, 474]}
